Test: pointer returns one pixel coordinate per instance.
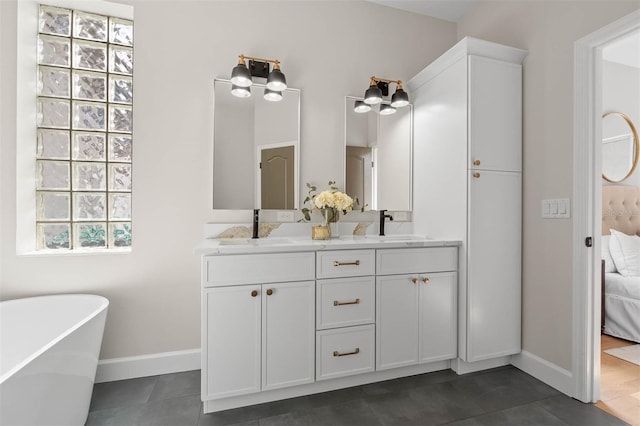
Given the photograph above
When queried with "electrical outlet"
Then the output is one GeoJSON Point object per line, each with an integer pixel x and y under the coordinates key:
{"type": "Point", "coordinates": [285, 216]}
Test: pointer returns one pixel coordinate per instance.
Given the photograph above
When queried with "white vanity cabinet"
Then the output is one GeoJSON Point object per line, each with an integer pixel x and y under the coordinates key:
{"type": "Point", "coordinates": [293, 320]}
{"type": "Point", "coordinates": [260, 336]}
{"type": "Point", "coordinates": [416, 313]}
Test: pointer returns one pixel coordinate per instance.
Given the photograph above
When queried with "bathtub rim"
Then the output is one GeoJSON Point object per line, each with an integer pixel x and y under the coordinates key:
{"type": "Point", "coordinates": [103, 307]}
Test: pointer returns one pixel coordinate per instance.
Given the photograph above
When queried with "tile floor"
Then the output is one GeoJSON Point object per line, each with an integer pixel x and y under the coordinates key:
{"type": "Point", "coordinates": [501, 396]}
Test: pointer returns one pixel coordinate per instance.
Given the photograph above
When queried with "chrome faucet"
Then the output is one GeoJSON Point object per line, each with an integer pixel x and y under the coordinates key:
{"type": "Point", "coordinates": [383, 216]}
{"type": "Point", "coordinates": [256, 218]}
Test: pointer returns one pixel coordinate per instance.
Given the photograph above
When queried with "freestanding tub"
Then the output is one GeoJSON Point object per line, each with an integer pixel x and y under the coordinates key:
{"type": "Point", "coordinates": [49, 347]}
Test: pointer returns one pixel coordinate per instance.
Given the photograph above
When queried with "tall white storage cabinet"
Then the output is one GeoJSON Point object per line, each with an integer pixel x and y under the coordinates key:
{"type": "Point", "coordinates": [467, 171]}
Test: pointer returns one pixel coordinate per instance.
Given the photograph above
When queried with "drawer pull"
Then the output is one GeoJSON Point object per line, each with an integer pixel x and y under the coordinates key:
{"type": "Point", "coordinates": [425, 280]}
{"type": "Point", "coordinates": [269, 292]}
{"type": "Point", "coordinates": [336, 263]}
{"type": "Point", "coordinates": [476, 175]}
{"type": "Point", "coordinates": [414, 280]}
{"type": "Point", "coordinates": [254, 293]}
{"type": "Point", "coordinates": [336, 353]}
{"type": "Point", "coordinates": [355, 302]}
{"type": "Point", "coordinates": [476, 163]}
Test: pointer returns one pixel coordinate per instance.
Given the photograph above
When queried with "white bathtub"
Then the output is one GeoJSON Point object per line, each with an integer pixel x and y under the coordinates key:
{"type": "Point", "coordinates": [49, 347]}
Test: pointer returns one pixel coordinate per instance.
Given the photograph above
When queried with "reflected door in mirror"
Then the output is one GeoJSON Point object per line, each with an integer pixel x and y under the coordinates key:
{"type": "Point", "coordinates": [276, 178]}
{"type": "Point", "coordinates": [359, 179]}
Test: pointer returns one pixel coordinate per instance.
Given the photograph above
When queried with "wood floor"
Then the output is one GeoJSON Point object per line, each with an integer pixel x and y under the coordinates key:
{"type": "Point", "coordinates": [619, 383]}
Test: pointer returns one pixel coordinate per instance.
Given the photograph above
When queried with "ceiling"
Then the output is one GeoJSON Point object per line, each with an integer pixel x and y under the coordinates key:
{"type": "Point", "coordinates": [449, 10]}
{"type": "Point", "coordinates": [624, 51]}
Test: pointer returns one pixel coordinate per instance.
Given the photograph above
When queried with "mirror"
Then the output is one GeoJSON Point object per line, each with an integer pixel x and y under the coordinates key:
{"type": "Point", "coordinates": [378, 157]}
{"type": "Point", "coordinates": [619, 147]}
{"type": "Point", "coordinates": [256, 149]}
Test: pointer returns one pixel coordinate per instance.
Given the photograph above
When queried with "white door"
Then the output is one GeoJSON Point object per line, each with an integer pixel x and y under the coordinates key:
{"type": "Point", "coordinates": [494, 279]}
{"type": "Point", "coordinates": [231, 344]}
{"type": "Point", "coordinates": [397, 315]}
{"type": "Point", "coordinates": [438, 316]}
{"type": "Point", "coordinates": [495, 115]}
{"type": "Point", "coordinates": [288, 334]}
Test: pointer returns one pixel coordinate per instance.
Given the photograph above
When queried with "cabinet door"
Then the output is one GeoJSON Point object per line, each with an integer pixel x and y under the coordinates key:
{"type": "Point", "coordinates": [495, 115]}
{"type": "Point", "coordinates": [397, 315]}
{"type": "Point", "coordinates": [231, 341]}
{"type": "Point", "coordinates": [494, 265]}
{"type": "Point", "coordinates": [288, 334]}
{"type": "Point", "coordinates": [438, 316]}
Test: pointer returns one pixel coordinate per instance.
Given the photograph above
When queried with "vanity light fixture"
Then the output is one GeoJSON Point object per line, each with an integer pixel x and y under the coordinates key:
{"type": "Point", "coordinates": [272, 95]}
{"type": "Point", "coordinates": [379, 87]}
{"type": "Point", "coordinates": [361, 107]}
{"type": "Point", "coordinates": [240, 91]}
{"type": "Point", "coordinates": [386, 109]}
{"type": "Point", "coordinates": [241, 77]}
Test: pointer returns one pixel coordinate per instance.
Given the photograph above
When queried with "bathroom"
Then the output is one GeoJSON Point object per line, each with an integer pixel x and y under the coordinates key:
{"type": "Point", "coordinates": [328, 50]}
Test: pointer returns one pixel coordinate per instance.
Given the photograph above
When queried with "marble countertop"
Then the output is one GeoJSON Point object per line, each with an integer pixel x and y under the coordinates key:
{"type": "Point", "coordinates": [286, 244]}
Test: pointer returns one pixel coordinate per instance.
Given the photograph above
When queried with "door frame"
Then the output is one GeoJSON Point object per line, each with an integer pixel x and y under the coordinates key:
{"type": "Point", "coordinates": [587, 199]}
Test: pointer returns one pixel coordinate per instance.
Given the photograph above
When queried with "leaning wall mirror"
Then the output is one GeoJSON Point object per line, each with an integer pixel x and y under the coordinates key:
{"type": "Point", "coordinates": [256, 149]}
{"type": "Point", "coordinates": [378, 156]}
{"type": "Point", "coordinates": [619, 147]}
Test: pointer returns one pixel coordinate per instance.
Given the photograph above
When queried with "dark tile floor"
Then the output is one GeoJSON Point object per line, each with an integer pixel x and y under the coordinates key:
{"type": "Point", "coordinates": [501, 396]}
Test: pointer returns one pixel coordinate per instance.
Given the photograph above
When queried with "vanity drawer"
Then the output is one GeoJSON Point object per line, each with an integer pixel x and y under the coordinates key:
{"type": "Point", "coordinates": [417, 260]}
{"type": "Point", "coordinates": [344, 302]}
{"type": "Point", "coordinates": [345, 351]}
{"type": "Point", "coordinates": [257, 268]}
{"type": "Point", "coordinates": [345, 263]}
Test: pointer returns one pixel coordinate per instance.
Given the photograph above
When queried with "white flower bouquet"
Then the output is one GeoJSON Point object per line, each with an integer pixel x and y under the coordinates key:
{"type": "Point", "coordinates": [329, 202]}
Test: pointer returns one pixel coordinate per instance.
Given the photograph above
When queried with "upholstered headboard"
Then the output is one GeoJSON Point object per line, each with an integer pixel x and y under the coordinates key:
{"type": "Point", "coordinates": [621, 209]}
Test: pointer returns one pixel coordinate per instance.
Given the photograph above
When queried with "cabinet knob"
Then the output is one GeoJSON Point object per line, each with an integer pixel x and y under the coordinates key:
{"type": "Point", "coordinates": [425, 280]}
{"type": "Point", "coordinates": [476, 163]}
{"type": "Point", "coordinates": [254, 293]}
{"type": "Point", "coordinates": [476, 175]}
{"type": "Point", "coordinates": [414, 280]}
{"type": "Point", "coordinates": [269, 292]}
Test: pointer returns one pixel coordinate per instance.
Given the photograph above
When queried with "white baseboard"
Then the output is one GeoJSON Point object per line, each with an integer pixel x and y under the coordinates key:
{"type": "Point", "coordinates": [463, 367]}
{"type": "Point", "coordinates": [113, 369]}
{"type": "Point", "coordinates": [543, 370]}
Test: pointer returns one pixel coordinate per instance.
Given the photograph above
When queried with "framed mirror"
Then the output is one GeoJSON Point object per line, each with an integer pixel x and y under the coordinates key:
{"type": "Point", "coordinates": [379, 157]}
{"type": "Point", "coordinates": [256, 149]}
{"type": "Point", "coordinates": [619, 147]}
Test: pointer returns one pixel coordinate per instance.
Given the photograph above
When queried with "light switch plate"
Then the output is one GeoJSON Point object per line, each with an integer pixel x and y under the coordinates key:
{"type": "Point", "coordinates": [558, 208]}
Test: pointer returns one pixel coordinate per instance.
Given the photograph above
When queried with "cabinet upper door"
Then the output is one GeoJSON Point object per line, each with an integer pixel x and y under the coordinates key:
{"type": "Point", "coordinates": [495, 115]}
{"type": "Point", "coordinates": [231, 341]}
{"type": "Point", "coordinates": [288, 334]}
{"type": "Point", "coordinates": [493, 265]}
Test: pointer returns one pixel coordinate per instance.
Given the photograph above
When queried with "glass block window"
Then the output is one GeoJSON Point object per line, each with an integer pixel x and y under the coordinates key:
{"type": "Point", "coordinates": [84, 130]}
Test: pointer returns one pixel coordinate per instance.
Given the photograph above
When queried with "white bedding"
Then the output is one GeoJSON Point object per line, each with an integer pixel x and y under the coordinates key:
{"type": "Point", "coordinates": [622, 304]}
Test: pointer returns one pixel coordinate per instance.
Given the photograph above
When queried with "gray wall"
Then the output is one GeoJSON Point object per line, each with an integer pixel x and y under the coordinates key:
{"type": "Point", "coordinates": [181, 46]}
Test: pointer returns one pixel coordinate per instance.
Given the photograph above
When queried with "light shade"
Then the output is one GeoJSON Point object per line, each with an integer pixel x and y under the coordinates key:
{"type": "Point", "coordinates": [361, 107]}
{"type": "Point", "coordinates": [276, 80]}
{"type": "Point", "coordinates": [272, 95]}
{"type": "Point", "coordinates": [386, 109]}
{"type": "Point", "coordinates": [240, 76]}
{"type": "Point", "coordinates": [373, 95]}
{"type": "Point", "coordinates": [400, 98]}
{"type": "Point", "coordinates": [240, 91]}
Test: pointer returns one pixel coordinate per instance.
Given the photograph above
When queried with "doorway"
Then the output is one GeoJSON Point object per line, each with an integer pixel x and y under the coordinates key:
{"type": "Point", "coordinates": [587, 193]}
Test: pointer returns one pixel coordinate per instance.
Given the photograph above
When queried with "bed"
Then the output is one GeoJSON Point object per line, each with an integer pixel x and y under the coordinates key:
{"type": "Point", "coordinates": [621, 261]}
